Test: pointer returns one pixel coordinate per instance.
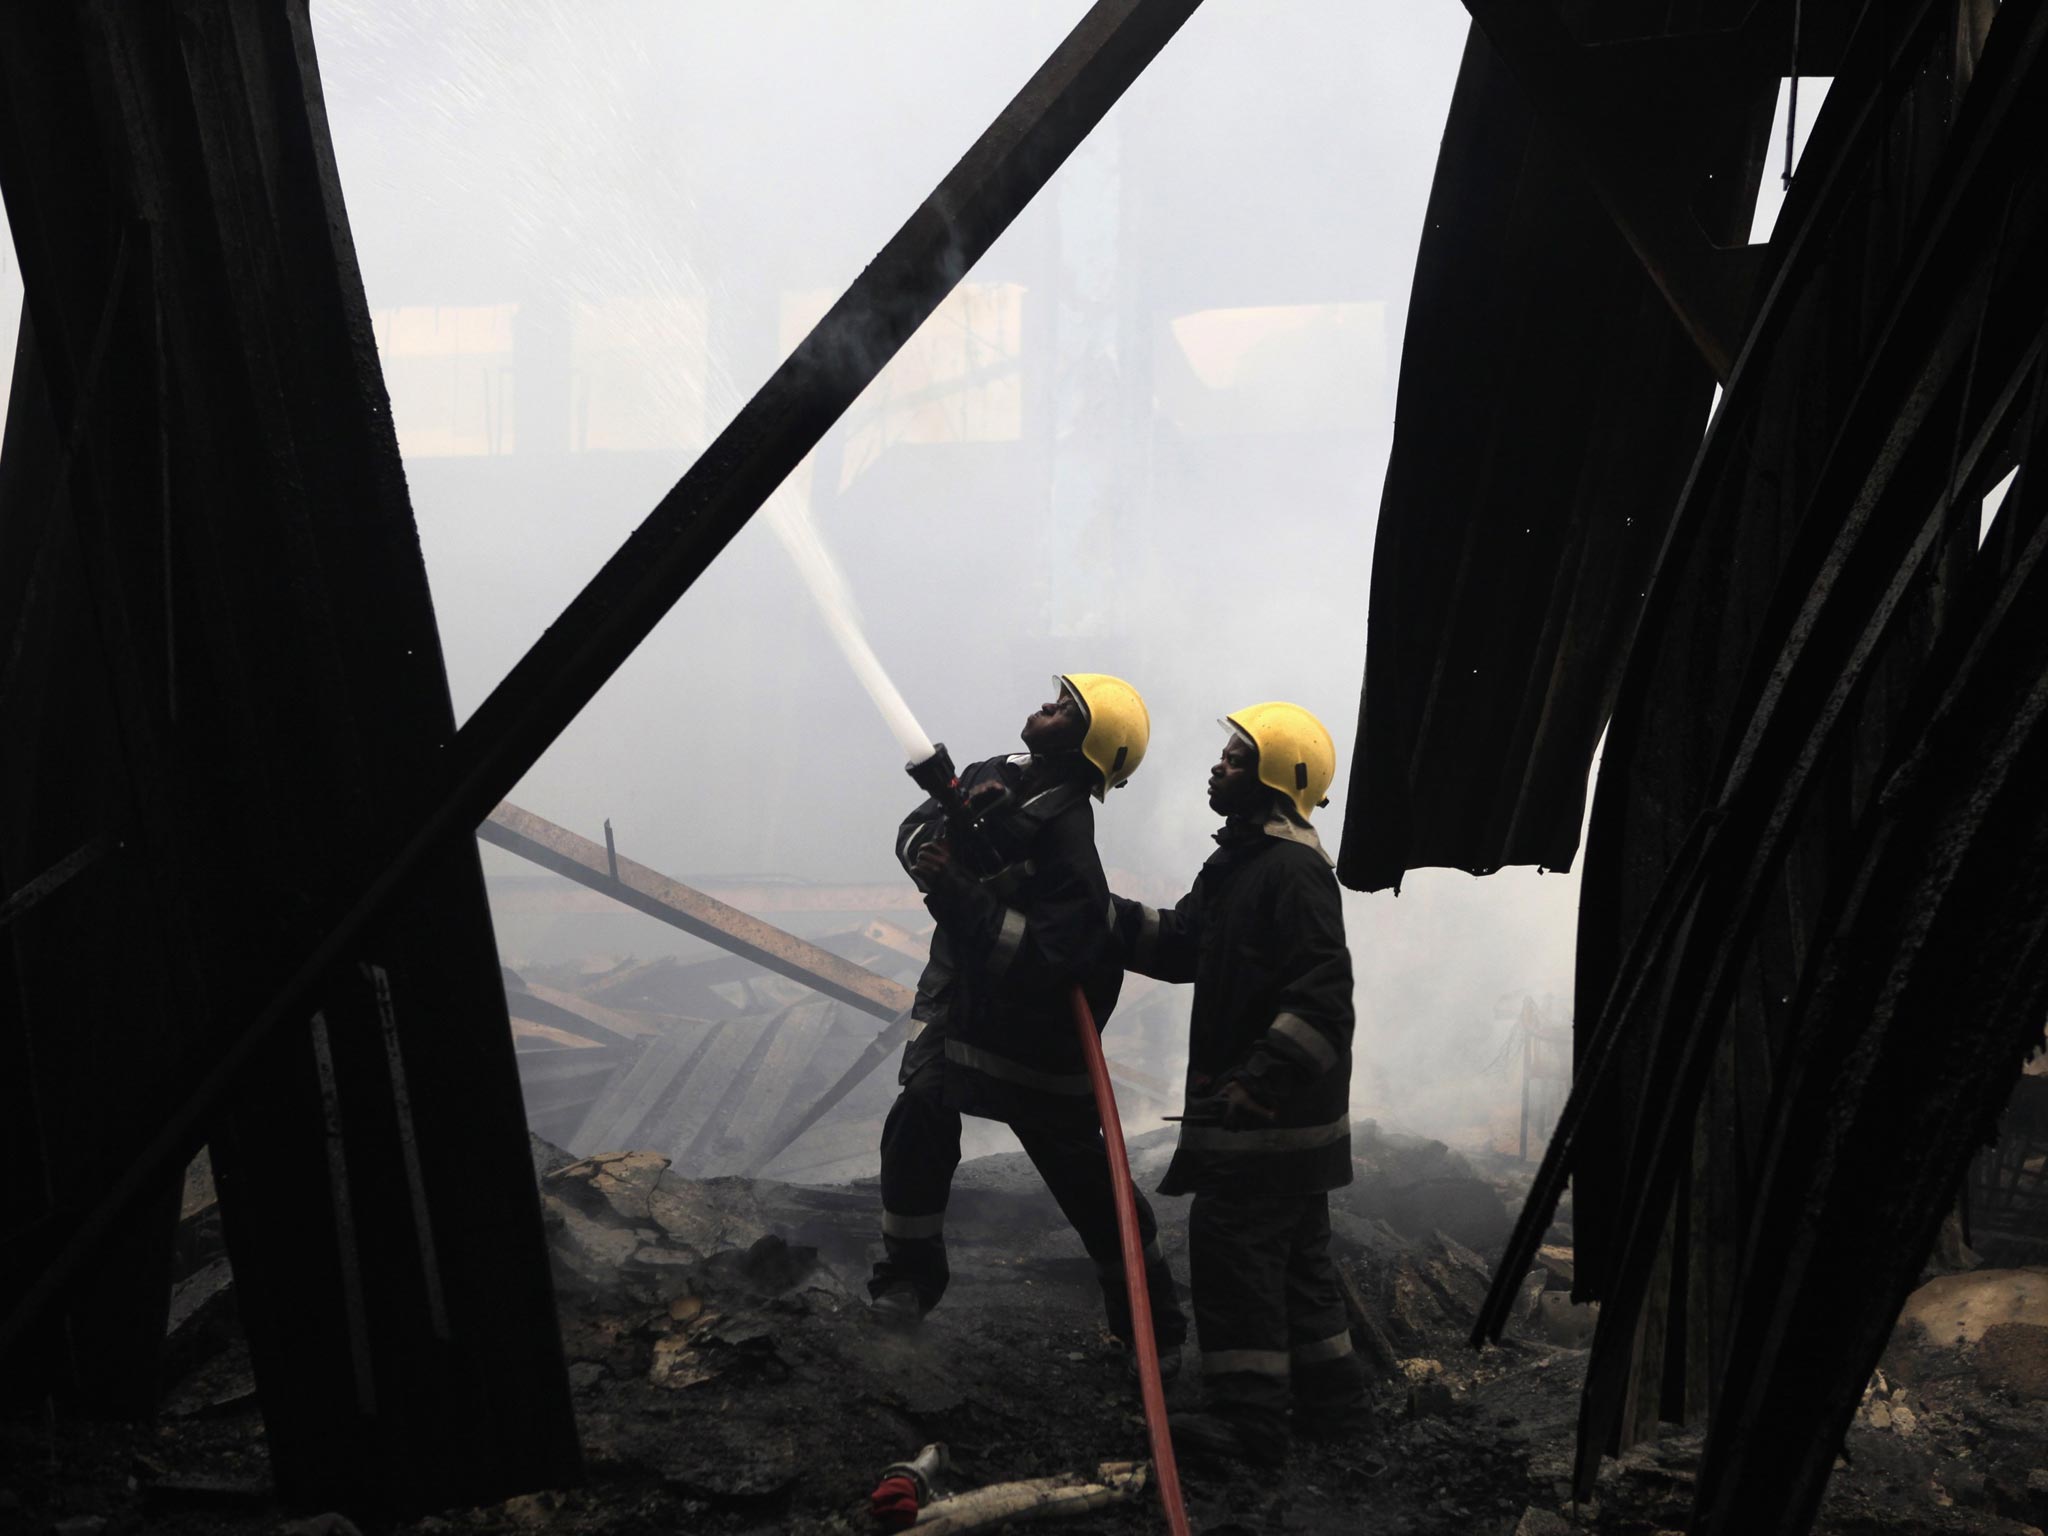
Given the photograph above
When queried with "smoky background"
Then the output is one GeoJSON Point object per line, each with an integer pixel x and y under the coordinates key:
{"type": "Point", "coordinates": [1145, 436]}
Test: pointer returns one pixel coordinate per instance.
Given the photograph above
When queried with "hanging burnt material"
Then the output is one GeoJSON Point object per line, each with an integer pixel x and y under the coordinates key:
{"type": "Point", "coordinates": [1811, 950]}
{"type": "Point", "coordinates": [1552, 395]}
{"type": "Point", "coordinates": [1808, 608]}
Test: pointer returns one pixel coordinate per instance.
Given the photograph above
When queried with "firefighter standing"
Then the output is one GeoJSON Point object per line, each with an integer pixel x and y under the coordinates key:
{"type": "Point", "coordinates": [1267, 1131]}
{"type": "Point", "coordinates": [995, 1001]}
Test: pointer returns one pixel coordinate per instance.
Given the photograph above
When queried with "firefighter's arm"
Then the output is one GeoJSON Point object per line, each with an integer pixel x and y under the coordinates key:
{"type": "Point", "coordinates": [1059, 933]}
{"type": "Point", "coordinates": [1158, 942]}
{"type": "Point", "coordinates": [924, 826]}
{"type": "Point", "coordinates": [921, 846]}
{"type": "Point", "coordinates": [1054, 929]}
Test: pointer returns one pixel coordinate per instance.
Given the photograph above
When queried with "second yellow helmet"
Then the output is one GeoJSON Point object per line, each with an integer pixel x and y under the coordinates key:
{"type": "Point", "coordinates": [1119, 727]}
{"type": "Point", "coordinates": [1295, 754]}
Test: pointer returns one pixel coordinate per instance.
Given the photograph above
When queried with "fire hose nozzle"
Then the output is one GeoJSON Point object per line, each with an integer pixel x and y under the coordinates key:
{"type": "Point", "coordinates": [935, 775]}
{"type": "Point", "coordinates": [905, 1489]}
{"type": "Point", "coordinates": [938, 779]}
{"type": "Point", "coordinates": [920, 1469]}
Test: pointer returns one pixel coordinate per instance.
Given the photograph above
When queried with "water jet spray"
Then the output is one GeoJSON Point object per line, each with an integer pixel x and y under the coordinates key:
{"type": "Point", "coordinates": [790, 517]}
{"type": "Point", "coordinates": [930, 766]}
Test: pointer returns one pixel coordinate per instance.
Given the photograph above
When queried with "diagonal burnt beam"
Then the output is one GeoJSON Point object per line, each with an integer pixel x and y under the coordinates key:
{"type": "Point", "coordinates": [705, 917]}
{"type": "Point", "coordinates": [923, 262]}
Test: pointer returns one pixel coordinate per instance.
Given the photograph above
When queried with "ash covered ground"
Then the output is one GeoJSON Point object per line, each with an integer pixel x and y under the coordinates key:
{"type": "Point", "coordinates": [728, 1379]}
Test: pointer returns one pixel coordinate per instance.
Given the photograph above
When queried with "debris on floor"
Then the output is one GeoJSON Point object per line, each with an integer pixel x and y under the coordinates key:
{"type": "Point", "coordinates": [727, 1378]}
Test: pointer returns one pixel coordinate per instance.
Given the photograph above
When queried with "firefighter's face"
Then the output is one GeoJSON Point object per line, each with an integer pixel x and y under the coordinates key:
{"type": "Point", "coordinates": [1058, 725]}
{"type": "Point", "coordinates": [1234, 781]}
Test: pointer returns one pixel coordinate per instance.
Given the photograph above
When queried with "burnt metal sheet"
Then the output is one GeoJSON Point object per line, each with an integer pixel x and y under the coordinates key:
{"type": "Point", "coordinates": [1856, 597]}
{"type": "Point", "coordinates": [1625, 111]}
{"type": "Point", "coordinates": [1931, 979]}
{"type": "Point", "coordinates": [1638, 836]}
{"type": "Point", "coordinates": [1777, 726]}
{"type": "Point", "coordinates": [1931, 991]}
{"type": "Point", "coordinates": [779, 1139]}
{"type": "Point", "coordinates": [670, 901]}
{"type": "Point", "coordinates": [1549, 406]}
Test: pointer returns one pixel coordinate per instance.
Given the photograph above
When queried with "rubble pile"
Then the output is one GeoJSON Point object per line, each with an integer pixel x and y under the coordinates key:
{"type": "Point", "coordinates": [727, 1378]}
{"type": "Point", "coordinates": [1418, 1186]}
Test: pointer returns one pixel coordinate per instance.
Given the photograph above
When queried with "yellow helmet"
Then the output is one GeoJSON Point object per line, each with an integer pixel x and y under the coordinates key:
{"type": "Point", "coordinates": [1295, 755]}
{"type": "Point", "coordinates": [1119, 727]}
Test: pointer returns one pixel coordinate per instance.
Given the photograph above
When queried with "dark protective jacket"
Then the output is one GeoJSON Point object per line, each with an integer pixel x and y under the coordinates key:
{"type": "Point", "coordinates": [995, 998]}
{"type": "Point", "coordinates": [1261, 936]}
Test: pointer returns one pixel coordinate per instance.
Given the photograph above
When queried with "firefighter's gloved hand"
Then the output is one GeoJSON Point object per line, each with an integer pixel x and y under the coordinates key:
{"type": "Point", "coordinates": [986, 793]}
{"type": "Point", "coordinates": [1243, 1109]}
{"type": "Point", "coordinates": [894, 1503]}
{"type": "Point", "coordinates": [1232, 1106]}
{"type": "Point", "coordinates": [934, 867]}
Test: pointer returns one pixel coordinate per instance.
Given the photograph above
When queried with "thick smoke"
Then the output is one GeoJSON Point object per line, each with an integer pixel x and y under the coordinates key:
{"type": "Point", "coordinates": [1146, 436]}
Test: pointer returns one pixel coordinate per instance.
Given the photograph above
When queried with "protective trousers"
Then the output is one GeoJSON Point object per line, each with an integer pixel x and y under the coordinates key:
{"type": "Point", "coordinates": [920, 1150]}
{"type": "Point", "coordinates": [1269, 1312]}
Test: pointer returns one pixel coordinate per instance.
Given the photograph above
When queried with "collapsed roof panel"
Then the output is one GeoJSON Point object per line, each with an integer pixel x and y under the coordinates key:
{"type": "Point", "coordinates": [1549, 405]}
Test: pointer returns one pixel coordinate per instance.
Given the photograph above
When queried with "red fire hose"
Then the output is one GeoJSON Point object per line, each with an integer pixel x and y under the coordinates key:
{"type": "Point", "coordinates": [1149, 1385]}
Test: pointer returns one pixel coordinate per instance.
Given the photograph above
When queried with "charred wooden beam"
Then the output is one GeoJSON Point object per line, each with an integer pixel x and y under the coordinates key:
{"type": "Point", "coordinates": [538, 894]}
{"type": "Point", "coordinates": [670, 901]}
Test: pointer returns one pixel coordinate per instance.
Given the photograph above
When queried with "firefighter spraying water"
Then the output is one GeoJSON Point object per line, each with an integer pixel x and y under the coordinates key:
{"type": "Point", "coordinates": [1024, 971]}
{"type": "Point", "coordinates": [1023, 974]}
